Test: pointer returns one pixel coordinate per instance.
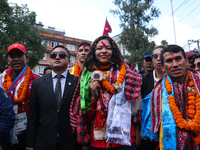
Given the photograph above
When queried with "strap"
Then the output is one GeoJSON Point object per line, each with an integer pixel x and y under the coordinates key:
{"type": "Point", "coordinates": [12, 86]}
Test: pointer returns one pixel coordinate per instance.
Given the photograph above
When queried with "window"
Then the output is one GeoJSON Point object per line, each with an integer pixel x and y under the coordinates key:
{"type": "Point", "coordinates": [45, 57]}
{"type": "Point", "coordinates": [72, 60]}
{"type": "Point", "coordinates": [45, 42]}
{"type": "Point", "coordinates": [39, 69]}
{"type": "Point", "coordinates": [53, 44]}
{"type": "Point", "coordinates": [71, 47]}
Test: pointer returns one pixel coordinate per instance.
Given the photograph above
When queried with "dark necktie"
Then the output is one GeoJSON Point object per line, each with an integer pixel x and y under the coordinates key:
{"type": "Point", "coordinates": [58, 92]}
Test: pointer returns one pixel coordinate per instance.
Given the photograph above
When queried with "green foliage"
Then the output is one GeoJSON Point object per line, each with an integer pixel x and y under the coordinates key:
{"type": "Point", "coordinates": [164, 42]}
{"type": "Point", "coordinates": [17, 26]}
{"type": "Point", "coordinates": [135, 16]}
{"type": "Point", "coordinates": [41, 29]}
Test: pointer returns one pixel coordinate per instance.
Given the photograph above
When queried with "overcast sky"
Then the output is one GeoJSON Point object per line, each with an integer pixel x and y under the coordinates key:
{"type": "Point", "coordinates": [85, 19]}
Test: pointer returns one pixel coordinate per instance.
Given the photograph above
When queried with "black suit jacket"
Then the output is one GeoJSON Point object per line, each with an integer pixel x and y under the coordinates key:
{"type": "Point", "coordinates": [44, 121]}
{"type": "Point", "coordinates": [147, 84]}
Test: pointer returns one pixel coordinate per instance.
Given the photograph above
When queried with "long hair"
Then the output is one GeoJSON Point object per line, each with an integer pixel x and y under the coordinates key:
{"type": "Point", "coordinates": [115, 59]}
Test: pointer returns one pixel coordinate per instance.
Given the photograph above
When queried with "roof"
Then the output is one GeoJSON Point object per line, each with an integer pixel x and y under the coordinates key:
{"type": "Point", "coordinates": [116, 37]}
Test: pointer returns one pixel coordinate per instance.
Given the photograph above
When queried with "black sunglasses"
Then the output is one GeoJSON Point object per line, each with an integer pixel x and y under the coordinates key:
{"type": "Point", "coordinates": [155, 56]}
{"type": "Point", "coordinates": [60, 54]}
{"type": "Point", "coordinates": [148, 59]}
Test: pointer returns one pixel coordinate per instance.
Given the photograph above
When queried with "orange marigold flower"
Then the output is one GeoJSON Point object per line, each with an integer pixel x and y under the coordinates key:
{"type": "Point", "coordinates": [21, 95]}
{"type": "Point", "coordinates": [105, 83]}
{"type": "Point", "coordinates": [193, 102]}
{"type": "Point", "coordinates": [76, 69]}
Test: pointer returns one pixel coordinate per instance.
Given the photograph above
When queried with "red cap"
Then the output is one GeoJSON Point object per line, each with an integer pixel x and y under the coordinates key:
{"type": "Point", "coordinates": [16, 46]}
{"type": "Point", "coordinates": [190, 54]}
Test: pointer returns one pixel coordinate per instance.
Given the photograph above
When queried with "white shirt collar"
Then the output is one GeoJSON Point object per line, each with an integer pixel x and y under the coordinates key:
{"type": "Point", "coordinates": [64, 74]}
{"type": "Point", "coordinates": [154, 76]}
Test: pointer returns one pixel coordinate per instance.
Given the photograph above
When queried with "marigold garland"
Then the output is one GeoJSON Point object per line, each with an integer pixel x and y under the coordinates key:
{"type": "Point", "coordinates": [105, 67]}
{"type": "Point", "coordinates": [76, 69]}
{"type": "Point", "coordinates": [191, 125]}
{"type": "Point", "coordinates": [22, 89]}
{"type": "Point", "coordinates": [105, 83]}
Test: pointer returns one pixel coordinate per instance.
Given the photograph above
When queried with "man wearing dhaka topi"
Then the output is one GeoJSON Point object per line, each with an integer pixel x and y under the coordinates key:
{"type": "Point", "coordinates": [83, 49]}
{"type": "Point", "coordinates": [16, 82]}
{"type": "Point", "coordinates": [175, 103]}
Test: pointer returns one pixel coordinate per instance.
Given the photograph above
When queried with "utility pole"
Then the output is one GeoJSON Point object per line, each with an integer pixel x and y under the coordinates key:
{"type": "Point", "coordinates": [173, 22]}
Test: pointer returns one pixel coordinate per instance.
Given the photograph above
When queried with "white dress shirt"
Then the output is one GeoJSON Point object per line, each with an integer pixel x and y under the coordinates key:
{"type": "Point", "coordinates": [154, 77]}
{"type": "Point", "coordinates": [62, 80]}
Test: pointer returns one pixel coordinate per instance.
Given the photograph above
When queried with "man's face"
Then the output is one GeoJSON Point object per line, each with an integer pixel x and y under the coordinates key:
{"type": "Point", "coordinates": [148, 65]}
{"type": "Point", "coordinates": [174, 65]}
{"type": "Point", "coordinates": [197, 64]}
{"type": "Point", "coordinates": [17, 61]}
{"type": "Point", "coordinates": [82, 52]}
{"type": "Point", "coordinates": [156, 58]}
{"type": "Point", "coordinates": [59, 59]}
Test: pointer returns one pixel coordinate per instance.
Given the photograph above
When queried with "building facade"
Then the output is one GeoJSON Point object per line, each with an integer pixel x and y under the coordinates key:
{"type": "Point", "coordinates": [53, 37]}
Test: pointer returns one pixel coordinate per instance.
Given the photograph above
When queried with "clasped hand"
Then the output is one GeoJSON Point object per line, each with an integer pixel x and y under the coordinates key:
{"type": "Point", "coordinates": [94, 88]}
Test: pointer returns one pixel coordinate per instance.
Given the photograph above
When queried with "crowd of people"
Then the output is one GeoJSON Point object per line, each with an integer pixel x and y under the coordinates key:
{"type": "Point", "coordinates": [103, 102]}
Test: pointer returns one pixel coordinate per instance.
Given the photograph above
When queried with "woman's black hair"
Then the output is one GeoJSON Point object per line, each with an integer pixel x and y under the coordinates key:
{"type": "Point", "coordinates": [115, 60]}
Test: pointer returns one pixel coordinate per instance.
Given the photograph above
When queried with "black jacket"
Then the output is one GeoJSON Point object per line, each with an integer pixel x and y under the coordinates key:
{"type": "Point", "coordinates": [147, 84]}
{"type": "Point", "coordinates": [44, 122]}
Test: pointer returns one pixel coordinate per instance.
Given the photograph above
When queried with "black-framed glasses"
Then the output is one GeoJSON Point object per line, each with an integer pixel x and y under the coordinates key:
{"type": "Point", "coordinates": [155, 56]}
{"type": "Point", "coordinates": [18, 55]}
{"type": "Point", "coordinates": [60, 54]}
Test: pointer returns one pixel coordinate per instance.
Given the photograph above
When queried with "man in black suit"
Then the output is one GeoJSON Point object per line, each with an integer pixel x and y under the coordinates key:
{"type": "Point", "coordinates": [48, 119]}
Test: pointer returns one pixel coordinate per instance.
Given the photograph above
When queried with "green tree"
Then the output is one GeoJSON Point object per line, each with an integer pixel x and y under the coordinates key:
{"type": "Point", "coordinates": [135, 16]}
{"type": "Point", "coordinates": [164, 42]}
{"type": "Point", "coordinates": [17, 26]}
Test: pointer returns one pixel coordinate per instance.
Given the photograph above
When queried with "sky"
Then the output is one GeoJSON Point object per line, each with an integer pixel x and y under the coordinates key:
{"type": "Point", "coordinates": [85, 19]}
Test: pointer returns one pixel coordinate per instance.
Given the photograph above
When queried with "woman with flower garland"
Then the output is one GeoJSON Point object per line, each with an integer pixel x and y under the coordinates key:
{"type": "Point", "coordinates": [110, 98]}
{"type": "Point", "coordinates": [175, 103]}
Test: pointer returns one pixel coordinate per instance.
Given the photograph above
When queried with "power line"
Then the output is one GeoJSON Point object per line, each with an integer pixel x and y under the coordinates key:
{"type": "Point", "coordinates": [185, 2]}
{"type": "Point", "coordinates": [187, 8]}
{"type": "Point", "coordinates": [179, 7]}
{"type": "Point", "coordinates": [189, 13]}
